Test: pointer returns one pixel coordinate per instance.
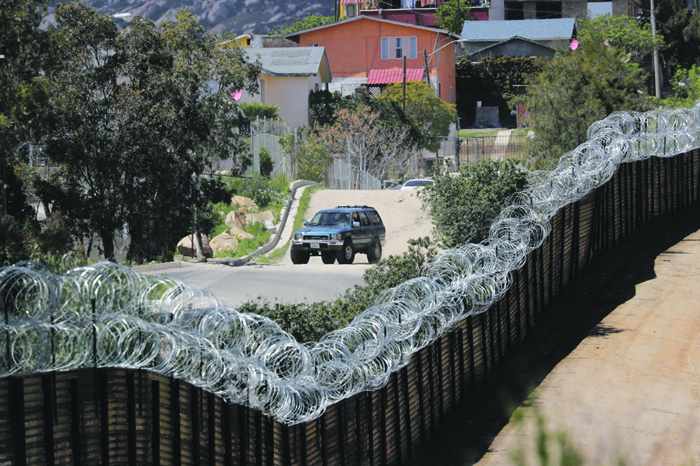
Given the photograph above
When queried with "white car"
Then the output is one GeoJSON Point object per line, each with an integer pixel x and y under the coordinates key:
{"type": "Point", "coordinates": [416, 184]}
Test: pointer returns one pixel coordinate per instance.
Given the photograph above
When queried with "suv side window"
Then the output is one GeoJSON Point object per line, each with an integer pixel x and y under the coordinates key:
{"type": "Point", "coordinates": [376, 219]}
{"type": "Point", "coordinates": [364, 219]}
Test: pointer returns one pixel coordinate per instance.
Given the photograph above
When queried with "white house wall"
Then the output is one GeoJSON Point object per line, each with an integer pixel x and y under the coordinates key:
{"type": "Point", "coordinates": [290, 94]}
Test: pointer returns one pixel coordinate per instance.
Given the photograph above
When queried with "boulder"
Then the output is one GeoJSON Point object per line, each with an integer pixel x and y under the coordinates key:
{"type": "Point", "coordinates": [270, 226]}
{"type": "Point", "coordinates": [224, 242]}
{"type": "Point", "coordinates": [240, 234]}
{"type": "Point", "coordinates": [184, 247]}
{"type": "Point", "coordinates": [241, 201]}
{"type": "Point", "coordinates": [261, 217]}
{"type": "Point", "coordinates": [235, 219]}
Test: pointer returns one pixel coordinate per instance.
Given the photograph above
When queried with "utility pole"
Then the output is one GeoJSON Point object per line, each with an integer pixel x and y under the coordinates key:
{"type": "Point", "coordinates": [404, 83]}
{"type": "Point", "coordinates": [657, 77]}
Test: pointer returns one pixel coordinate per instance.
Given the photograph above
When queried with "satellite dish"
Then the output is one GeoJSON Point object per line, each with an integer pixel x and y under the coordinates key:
{"type": "Point", "coordinates": [574, 44]}
{"type": "Point", "coordinates": [237, 95]}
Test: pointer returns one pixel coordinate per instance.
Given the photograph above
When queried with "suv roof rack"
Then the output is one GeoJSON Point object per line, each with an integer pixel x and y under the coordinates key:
{"type": "Point", "coordinates": [354, 206]}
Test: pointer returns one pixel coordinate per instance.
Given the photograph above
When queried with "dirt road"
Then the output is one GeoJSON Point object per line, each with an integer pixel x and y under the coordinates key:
{"type": "Point", "coordinates": [632, 388]}
{"type": "Point", "coordinates": [613, 362]}
{"type": "Point", "coordinates": [400, 211]}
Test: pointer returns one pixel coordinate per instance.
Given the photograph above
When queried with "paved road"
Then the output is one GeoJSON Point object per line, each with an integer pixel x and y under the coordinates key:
{"type": "Point", "coordinates": [400, 210]}
{"type": "Point", "coordinates": [285, 283]}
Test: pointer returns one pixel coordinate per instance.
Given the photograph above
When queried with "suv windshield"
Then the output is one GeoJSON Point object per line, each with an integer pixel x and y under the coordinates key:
{"type": "Point", "coordinates": [330, 218]}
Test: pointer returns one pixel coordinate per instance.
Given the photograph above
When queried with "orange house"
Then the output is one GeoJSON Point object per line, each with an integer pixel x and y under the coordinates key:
{"type": "Point", "coordinates": [367, 50]}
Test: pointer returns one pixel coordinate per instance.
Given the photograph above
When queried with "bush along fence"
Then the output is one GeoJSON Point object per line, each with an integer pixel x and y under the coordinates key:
{"type": "Point", "coordinates": [103, 366]}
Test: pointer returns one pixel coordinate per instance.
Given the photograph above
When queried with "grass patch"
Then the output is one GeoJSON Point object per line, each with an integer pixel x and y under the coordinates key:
{"type": "Point", "coordinates": [304, 202]}
{"type": "Point", "coordinates": [247, 246]}
{"type": "Point", "coordinates": [273, 257]}
{"type": "Point", "coordinates": [465, 133]}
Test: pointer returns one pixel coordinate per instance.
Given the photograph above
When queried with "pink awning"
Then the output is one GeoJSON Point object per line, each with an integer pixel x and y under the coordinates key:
{"type": "Point", "coordinates": [394, 76]}
{"type": "Point", "coordinates": [345, 2]}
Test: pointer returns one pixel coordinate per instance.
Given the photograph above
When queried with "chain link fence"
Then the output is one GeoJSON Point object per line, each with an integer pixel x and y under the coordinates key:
{"type": "Point", "coordinates": [341, 175]}
{"type": "Point", "coordinates": [267, 133]}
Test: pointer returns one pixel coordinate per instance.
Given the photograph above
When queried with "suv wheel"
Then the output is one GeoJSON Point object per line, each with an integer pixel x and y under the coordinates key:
{"type": "Point", "coordinates": [299, 257]}
{"type": "Point", "coordinates": [328, 257]}
{"type": "Point", "coordinates": [347, 254]}
{"type": "Point", "coordinates": [374, 253]}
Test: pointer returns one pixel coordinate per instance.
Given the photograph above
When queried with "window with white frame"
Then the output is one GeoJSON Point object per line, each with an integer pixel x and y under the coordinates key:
{"type": "Point", "coordinates": [350, 10]}
{"type": "Point", "coordinates": [396, 47]}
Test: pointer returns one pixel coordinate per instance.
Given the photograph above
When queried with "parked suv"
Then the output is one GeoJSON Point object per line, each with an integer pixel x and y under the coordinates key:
{"type": "Point", "coordinates": [340, 233]}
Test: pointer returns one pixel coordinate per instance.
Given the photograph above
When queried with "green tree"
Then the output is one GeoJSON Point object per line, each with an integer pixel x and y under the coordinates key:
{"type": "Point", "coordinates": [686, 84]}
{"type": "Point", "coordinates": [254, 110]}
{"type": "Point", "coordinates": [431, 115]}
{"type": "Point", "coordinates": [137, 118]}
{"type": "Point", "coordinates": [301, 24]}
{"type": "Point", "coordinates": [679, 27]}
{"type": "Point", "coordinates": [452, 14]}
{"type": "Point", "coordinates": [575, 89]}
{"type": "Point", "coordinates": [324, 107]}
{"type": "Point", "coordinates": [25, 47]}
{"type": "Point", "coordinates": [464, 206]}
{"type": "Point", "coordinates": [312, 154]}
{"type": "Point", "coordinates": [630, 35]}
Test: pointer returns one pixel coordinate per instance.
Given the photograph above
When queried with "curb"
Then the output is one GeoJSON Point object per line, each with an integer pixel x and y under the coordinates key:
{"type": "Point", "coordinates": [236, 262]}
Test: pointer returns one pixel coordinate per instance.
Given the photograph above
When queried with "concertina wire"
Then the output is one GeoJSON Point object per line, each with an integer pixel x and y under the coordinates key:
{"type": "Point", "coordinates": [106, 315]}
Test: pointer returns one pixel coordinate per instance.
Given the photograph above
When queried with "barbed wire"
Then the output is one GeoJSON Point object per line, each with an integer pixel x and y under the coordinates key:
{"type": "Point", "coordinates": [106, 315]}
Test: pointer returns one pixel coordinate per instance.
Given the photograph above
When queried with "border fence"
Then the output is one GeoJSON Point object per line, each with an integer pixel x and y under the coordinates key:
{"type": "Point", "coordinates": [366, 394]}
{"type": "Point", "coordinates": [127, 416]}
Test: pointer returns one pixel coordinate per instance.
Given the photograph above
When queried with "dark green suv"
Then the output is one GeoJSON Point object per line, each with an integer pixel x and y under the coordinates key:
{"type": "Point", "coordinates": [340, 233]}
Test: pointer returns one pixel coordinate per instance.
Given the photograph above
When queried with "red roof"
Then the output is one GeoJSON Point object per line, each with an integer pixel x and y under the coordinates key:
{"type": "Point", "coordinates": [394, 76]}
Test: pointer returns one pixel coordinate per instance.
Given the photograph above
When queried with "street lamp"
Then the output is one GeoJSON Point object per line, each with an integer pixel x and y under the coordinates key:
{"type": "Point", "coordinates": [437, 65]}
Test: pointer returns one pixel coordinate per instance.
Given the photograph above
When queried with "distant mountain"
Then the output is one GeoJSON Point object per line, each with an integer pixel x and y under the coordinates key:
{"type": "Point", "coordinates": [238, 16]}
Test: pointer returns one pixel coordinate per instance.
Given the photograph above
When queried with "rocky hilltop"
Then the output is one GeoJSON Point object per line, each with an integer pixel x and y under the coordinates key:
{"type": "Point", "coordinates": [238, 16]}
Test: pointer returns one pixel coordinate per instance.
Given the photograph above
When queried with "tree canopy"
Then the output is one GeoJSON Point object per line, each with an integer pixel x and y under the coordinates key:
{"type": "Point", "coordinates": [452, 14]}
{"type": "Point", "coordinates": [577, 88]}
{"type": "Point", "coordinates": [464, 206]}
{"type": "Point", "coordinates": [26, 48]}
{"type": "Point", "coordinates": [431, 115]}
{"type": "Point", "coordinates": [622, 32]}
{"type": "Point", "coordinates": [301, 24]}
{"type": "Point", "coordinates": [137, 118]}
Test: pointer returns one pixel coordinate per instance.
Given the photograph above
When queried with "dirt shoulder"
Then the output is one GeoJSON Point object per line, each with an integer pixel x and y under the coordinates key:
{"type": "Point", "coordinates": [613, 361]}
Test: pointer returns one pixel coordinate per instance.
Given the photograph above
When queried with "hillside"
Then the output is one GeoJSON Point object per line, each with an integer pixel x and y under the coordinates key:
{"type": "Point", "coordinates": [238, 16]}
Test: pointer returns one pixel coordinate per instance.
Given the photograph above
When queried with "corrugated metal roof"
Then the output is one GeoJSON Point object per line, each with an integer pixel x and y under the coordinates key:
{"type": "Point", "coordinates": [533, 29]}
{"type": "Point", "coordinates": [291, 61]}
{"type": "Point", "coordinates": [394, 76]}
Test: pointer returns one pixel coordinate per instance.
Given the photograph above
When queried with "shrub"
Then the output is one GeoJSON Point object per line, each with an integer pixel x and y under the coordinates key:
{"type": "Point", "coordinates": [464, 206]}
{"type": "Point", "coordinates": [310, 321]}
{"type": "Point", "coordinates": [266, 165]}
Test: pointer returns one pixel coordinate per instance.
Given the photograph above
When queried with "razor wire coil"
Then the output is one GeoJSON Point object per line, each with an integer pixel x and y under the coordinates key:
{"type": "Point", "coordinates": [106, 315]}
